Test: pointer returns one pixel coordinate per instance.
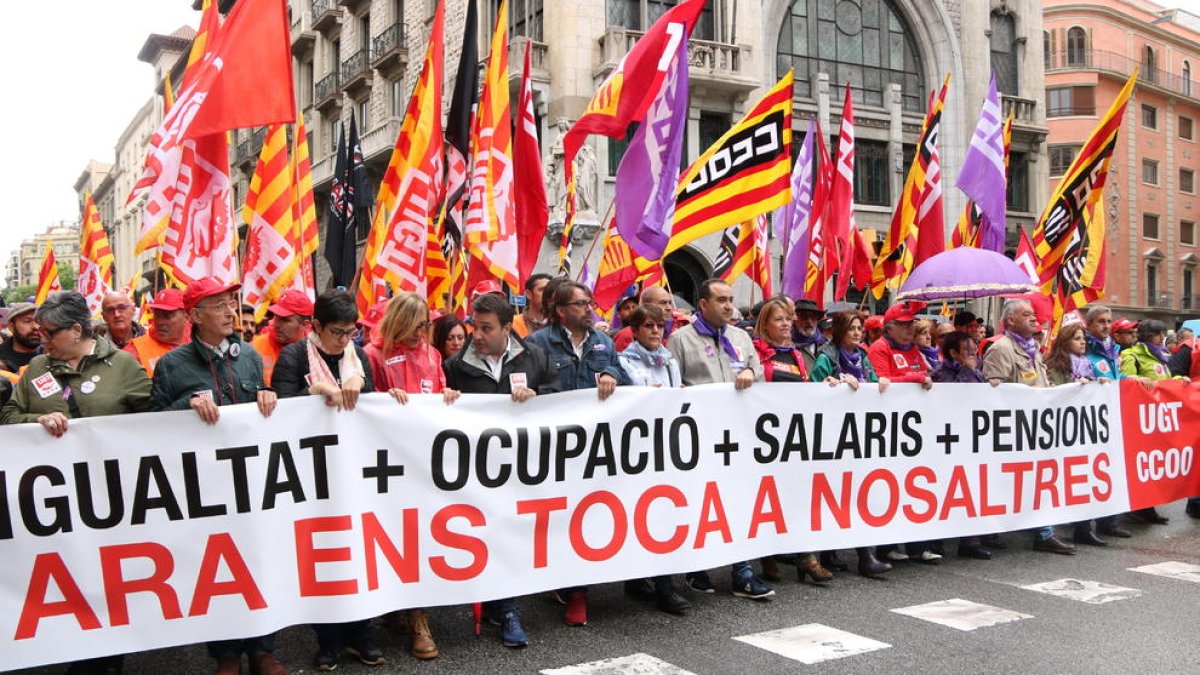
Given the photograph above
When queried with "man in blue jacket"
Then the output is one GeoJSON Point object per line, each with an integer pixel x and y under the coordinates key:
{"type": "Point", "coordinates": [585, 358]}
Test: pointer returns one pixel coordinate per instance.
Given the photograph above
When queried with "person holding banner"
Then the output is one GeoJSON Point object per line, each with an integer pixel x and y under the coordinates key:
{"type": "Point", "coordinates": [1016, 358]}
{"type": "Point", "coordinates": [895, 355]}
{"type": "Point", "coordinates": [495, 361]}
{"type": "Point", "coordinates": [1067, 362]}
{"type": "Point", "coordinates": [217, 368]}
{"type": "Point", "coordinates": [80, 375]}
{"type": "Point", "coordinates": [710, 350]}
{"type": "Point", "coordinates": [327, 363]}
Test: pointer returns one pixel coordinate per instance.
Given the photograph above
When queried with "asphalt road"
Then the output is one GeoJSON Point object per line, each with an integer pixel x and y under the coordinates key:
{"type": "Point", "coordinates": [1150, 627]}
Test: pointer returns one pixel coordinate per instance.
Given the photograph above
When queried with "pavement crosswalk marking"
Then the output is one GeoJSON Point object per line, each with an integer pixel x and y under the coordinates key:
{"type": "Point", "coordinates": [633, 664]}
{"type": "Point", "coordinates": [812, 643]}
{"type": "Point", "coordinates": [1172, 570]}
{"type": "Point", "coordinates": [1091, 592]}
{"type": "Point", "coordinates": [962, 614]}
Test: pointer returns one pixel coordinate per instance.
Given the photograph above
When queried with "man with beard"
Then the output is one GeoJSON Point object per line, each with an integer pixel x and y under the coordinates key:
{"type": "Point", "coordinates": [805, 335]}
{"type": "Point", "coordinates": [117, 310]}
{"type": "Point", "coordinates": [168, 329]}
{"type": "Point", "coordinates": [26, 342]}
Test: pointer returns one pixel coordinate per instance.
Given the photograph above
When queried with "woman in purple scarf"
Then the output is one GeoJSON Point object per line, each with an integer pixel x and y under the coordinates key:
{"type": "Point", "coordinates": [1066, 362]}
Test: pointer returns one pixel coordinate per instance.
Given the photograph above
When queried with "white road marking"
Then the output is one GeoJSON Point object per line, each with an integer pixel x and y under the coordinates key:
{"type": "Point", "coordinates": [1172, 570]}
{"type": "Point", "coordinates": [962, 614]}
{"type": "Point", "coordinates": [812, 643]}
{"type": "Point", "coordinates": [634, 664]}
{"type": "Point", "coordinates": [1091, 592]}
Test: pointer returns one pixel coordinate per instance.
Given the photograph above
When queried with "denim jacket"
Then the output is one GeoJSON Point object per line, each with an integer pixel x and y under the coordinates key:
{"type": "Point", "coordinates": [599, 357]}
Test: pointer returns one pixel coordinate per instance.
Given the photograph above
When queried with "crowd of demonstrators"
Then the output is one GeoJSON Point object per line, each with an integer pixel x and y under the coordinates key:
{"type": "Point", "coordinates": [200, 354]}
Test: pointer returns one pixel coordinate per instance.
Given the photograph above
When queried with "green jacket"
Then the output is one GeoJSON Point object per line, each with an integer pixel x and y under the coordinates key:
{"type": "Point", "coordinates": [827, 364]}
{"type": "Point", "coordinates": [1139, 361]}
{"type": "Point", "coordinates": [107, 382]}
{"type": "Point", "coordinates": [192, 368]}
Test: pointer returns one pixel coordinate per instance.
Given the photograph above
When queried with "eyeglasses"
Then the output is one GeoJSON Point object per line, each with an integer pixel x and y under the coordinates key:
{"type": "Point", "coordinates": [345, 333]}
{"type": "Point", "coordinates": [51, 332]}
{"type": "Point", "coordinates": [230, 306]}
{"type": "Point", "coordinates": [581, 303]}
{"type": "Point", "coordinates": [113, 309]}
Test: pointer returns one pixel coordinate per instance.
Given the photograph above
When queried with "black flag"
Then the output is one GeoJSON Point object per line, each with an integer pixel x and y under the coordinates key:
{"type": "Point", "coordinates": [339, 224]}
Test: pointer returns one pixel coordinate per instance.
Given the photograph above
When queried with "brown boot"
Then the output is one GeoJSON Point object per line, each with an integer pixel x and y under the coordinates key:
{"type": "Point", "coordinates": [770, 569]}
{"type": "Point", "coordinates": [266, 664]}
{"type": "Point", "coordinates": [813, 569]}
{"type": "Point", "coordinates": [229, 665]}
{"type": "Point", "coordinates": [423, 646]}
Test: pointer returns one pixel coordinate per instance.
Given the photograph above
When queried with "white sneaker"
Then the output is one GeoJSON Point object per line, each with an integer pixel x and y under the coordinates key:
{"type": "Point", "coordinates": [896, 556]}
{"type": "Point", "coordinates": [928, 556]}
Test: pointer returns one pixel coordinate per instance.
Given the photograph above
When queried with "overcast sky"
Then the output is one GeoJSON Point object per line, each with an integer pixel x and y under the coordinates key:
{"type": "Point", "coordinates": [72, 81]}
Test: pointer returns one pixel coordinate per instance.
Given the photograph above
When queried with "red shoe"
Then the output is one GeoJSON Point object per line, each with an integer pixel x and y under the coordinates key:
{"type": "Point", "coordinates": [576, 614]}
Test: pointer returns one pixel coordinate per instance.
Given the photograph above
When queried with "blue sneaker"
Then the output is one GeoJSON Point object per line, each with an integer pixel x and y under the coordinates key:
{"type": "Point", "coordinates": [511, 632]}
{"type": "Point", "coordinates": [752, 587]}
{"type": "Point", "coordinates": [699, 582]}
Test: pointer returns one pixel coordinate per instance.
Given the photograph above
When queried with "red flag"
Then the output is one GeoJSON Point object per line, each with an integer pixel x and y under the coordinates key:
{"type": "Point", "coordinates": [1026, 257]}
{"type": "Point", "coordinates": [841, 203]}
{"type": "Point", "coordinates": [249, 79]}
{"type": "Point", "coordinates": [532, 211]}
{"type": "Point", "coordinates": [820, 238]}
{"type": "Point", "coordinates": [860, 259]}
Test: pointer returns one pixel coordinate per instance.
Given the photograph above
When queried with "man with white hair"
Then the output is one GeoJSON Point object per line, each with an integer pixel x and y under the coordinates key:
{"type": "Point", "coordinates": [1016, 358]}
{"type": "Point", "coordinates": [117, 310]}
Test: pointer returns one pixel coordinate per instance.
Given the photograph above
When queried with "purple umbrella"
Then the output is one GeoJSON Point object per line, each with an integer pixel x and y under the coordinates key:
{"type": "Point", "coordinates": [965, 273]}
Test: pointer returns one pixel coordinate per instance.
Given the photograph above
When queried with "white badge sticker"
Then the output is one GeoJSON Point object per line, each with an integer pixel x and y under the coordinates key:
{"type": "Point", "coordinates": [399, 358]}
{"type": "Point", "coordinates": [205, 393]}
{"type": "Point", "coordinates": [46, 385]}
{"type": "Point", "coordinates": [517, 381]}
{"type": "Point", "coordinates": [426, 386]}
{"type": "Point", "coordinates": [87, 387]}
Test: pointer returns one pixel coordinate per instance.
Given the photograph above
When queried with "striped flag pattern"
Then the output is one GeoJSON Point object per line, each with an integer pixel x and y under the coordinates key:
{"type": "Point", "coordinates": [273, 247]}
{"type": "Point", "coordinates": [47, 277]}
{"type": "Point", "coordinates": [95, 257]}
{"type": "Point", "coordinates": [304, 210]}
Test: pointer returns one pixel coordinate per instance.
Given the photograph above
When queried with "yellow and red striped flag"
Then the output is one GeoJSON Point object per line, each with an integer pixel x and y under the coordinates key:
{"type": "Point", "coordinates": [746, 173]}
{"type": "Point", "coordinates": [304, 212]}
{"type": "Point", "coordinates": [95, 257]}
{"type": "Point", "coordinates": [491, 224]}
{"type": "Point", "coordinates": [744, 251]}
{"type": "Point", "coordinates": [411, 186]}
{"type": "Point", "coordinates": [47, 277]}
{"type": "Point", "coordinates": [620, 267]}
{"type": "Point", "coordinates": [272, 248]}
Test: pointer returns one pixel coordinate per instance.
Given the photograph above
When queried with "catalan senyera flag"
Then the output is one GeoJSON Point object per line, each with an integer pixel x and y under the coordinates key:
{"type": "Point", "coordinates": [408, 183]}
{"type": "Point", "coordinates": [437, 269]}
{"type": "Point", "coordinates": [491, 212]}
{"type": "Point", "coordinates": [1069, 235]}
{"type": "Point", "coordinates": [745, 174]}
{"type": "Point", "coordinates": [272, 257]}
{"type": "Point", "coordinates": [95, 257]}
{"type": "Point", "coordinates": [304, 210]}
{"type": "Point", "coordinates": [743, 251]}
{"type": "Point", "coordinates": [620, 267]}
{"type": "Point", "coordinates": [47, 277]}
{"type": "Point", "coordinates": [920, 200]}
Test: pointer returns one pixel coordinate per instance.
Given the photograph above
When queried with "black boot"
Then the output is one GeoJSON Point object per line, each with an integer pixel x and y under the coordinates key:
{"type": "Point", "coordinates": [667, 598]}
{"type": "Point", "coordinates": [1085, 536]}
{"type": "Point", "coordinates": [831, 561]}
{"type": "Point", "coordinates": [869, 565]}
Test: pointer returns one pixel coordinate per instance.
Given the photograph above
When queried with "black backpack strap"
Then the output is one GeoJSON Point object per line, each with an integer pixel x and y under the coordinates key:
{"type": "Point", "coordinates": [69, 395]}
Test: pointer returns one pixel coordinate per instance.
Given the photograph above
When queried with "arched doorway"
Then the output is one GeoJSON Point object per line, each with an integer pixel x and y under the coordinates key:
{"type": "Point", "coordinates": [686, 270]}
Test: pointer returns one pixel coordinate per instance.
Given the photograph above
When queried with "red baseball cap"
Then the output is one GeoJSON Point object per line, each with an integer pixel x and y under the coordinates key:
{"type": "Point", "coordinates": [873, 322]}
{"type": "Point", "coordinates": [292, 303]}
{"type": "Point", "coordinates": [903, 312]}
{"type": "Point", "coordinates": [485, 287]}
{"type": "Point", "coordinates": [374, 315]}
{"type": "Point", "coordinates": [205, 288]}
{"type": "Point", "coordinates": [169, 299]}
{"type": "Point", "coordinates": [1123, 325]}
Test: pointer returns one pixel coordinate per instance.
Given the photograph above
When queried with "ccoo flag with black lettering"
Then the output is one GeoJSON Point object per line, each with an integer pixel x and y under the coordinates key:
{"type": "Point", "coordinates": [745, 174]}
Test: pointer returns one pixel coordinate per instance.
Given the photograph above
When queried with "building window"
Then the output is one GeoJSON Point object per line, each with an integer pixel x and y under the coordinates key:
{"type": "Point", "coordinates": [1047, 51]}
{"type": "Point", "coordinates": [1185, 128]}
{"type": "Point", "coordinates": [1018, 182]}
{"type": "Point", "coordinates": [1149, 65]}
{"type": "Point", "coordinates": [335, 134]}
{"type": "Point", "coordinates": [1149, 172]}
{"type": "Point", "coordinates": [641, 14]}
{"type": "Point", "coordinates": [871, 173]}
{"type": "Point", "coordinates": [1187, 181]}
{"type": "Point", "coordinates": [711, 126]}
{"type": "Point", "coordinates": [616, 149]}
{"type": "Point", "coordinates": [1004, 52]}
{"type": "Point", "coordinates": [397, 98]}
{"type": "Point", "coordinates": [1187, 78]}
{"type": "Point", "coordinates": [1187, 288]}
{"type": "Point", "coordinates": [1076, 47]}
{"type": "Point", "coordinates": [525, 19]}
{"type": "Point", "coordinates": [1149, 226]}
{"type": "Point", "coordinates": [306, 84]}
{"type": "Point", "coordinates": [1061, 157]}
{"type": "Point", "coordinates": [364, 31]}
{"type": "Point", "coordinates": [1152, 298]}
{"type": "Point", "coordinates": [867, 44]}
{"type": "Point", "coordinates": [1149, 117]}
{"type": "Point", "coordinates": [1187, 232]}
{"type": "Point", "coordinates": [1070, 101]}
{"type": "Point", "coordinates": [335, 56]}
{"type": "Point", "coordinates": [364, 114]}
{"type": "Point", "coordinates": [397, 11]}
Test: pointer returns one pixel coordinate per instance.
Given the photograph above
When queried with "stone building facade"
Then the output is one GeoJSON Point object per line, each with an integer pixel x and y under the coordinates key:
{"type": "Point", "coordinates": [26, 260]}
{"type": "Point", "coordinates": [1089, 49]}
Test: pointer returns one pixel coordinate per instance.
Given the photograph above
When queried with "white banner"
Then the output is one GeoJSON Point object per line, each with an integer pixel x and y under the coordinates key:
{"type": "Point", "coordinates": [143, 531]}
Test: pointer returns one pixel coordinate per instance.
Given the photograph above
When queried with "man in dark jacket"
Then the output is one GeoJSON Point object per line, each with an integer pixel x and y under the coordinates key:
{"type": "Point", "coordinates": [496, 361]}
{"type": "Point", "coordinates": [217, 368]}
{"type": "Point", "coordinates": [584, 357]}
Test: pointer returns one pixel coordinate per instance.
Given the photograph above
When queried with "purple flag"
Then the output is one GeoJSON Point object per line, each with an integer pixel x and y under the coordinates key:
{"type": "Point", "coordinates": [649, 172]}
{"type": "Point", "coordinates": [982, 177]}
{"type": "Point", "coordinates": [795, 222]}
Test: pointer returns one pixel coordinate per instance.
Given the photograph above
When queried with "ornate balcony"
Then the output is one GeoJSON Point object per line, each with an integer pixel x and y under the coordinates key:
{"type": "Point", "coordinates": [303, 36]}
{"type": "Point", "coordinates": [327, 90]}
{"type": "Point", "coordinates": [379, 141]}
{"type": "Point", "coordinates": [356, 72]}
{"type": "Point", "coordinates": [537, 58]}
{"type": "Point", "coordinates": [1023, 110]}
{"type": "Point", "coordinates": [325, 15]}
{"type": "Point", "coordinates": [717, 68]}
{"type": "Point", "coordinates": [1123, 66]}
{"type": "Point", "coordinates": [389, 49]}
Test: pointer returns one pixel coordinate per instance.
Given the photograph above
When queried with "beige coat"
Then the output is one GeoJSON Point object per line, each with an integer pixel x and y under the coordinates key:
{"type": "Point", "coordinates": [1006, 361]}
{"type": "Point", "coordinates": [703, 361]}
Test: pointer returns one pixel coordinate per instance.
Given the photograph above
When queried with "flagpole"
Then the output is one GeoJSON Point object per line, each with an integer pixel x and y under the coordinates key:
{"type": "Point", "coordinates": [599, 234]}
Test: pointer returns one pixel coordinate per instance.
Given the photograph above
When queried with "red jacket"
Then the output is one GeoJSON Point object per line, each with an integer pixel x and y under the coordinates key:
{"type": "Point", "coordinates": [416, 370]}
{"type": "Point", "coordinates": [897, 365]}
